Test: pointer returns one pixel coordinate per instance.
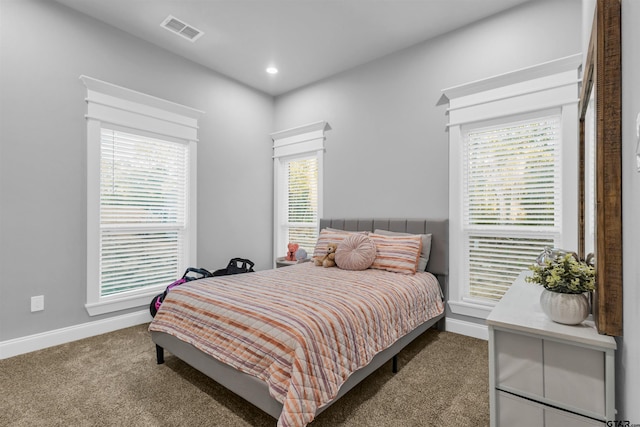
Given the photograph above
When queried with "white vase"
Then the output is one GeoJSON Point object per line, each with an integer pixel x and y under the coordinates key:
{"type": "Point", "coordinates": [569, 309]}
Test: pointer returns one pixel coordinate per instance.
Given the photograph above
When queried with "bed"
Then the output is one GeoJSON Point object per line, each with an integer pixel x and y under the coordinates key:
{"type": "Point", "coordinates": [195, 328]}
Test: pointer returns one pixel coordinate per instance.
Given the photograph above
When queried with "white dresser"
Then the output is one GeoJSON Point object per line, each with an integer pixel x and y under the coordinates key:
{"type": "Point", "coordinates": [543, 373]}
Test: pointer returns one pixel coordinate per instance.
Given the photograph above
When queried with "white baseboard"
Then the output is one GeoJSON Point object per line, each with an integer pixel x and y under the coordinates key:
{"type": "Point", "coordinates": [42, 340]}
{"type": "Point", "coordinates": [470, 329]}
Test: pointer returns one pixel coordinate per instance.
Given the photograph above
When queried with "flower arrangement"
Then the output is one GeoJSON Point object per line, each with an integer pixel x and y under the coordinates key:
{"type": "Point", "coordinates": [563, 273]}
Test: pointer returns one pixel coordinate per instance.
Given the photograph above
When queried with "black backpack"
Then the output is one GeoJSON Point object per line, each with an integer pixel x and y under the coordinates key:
{"type": "Point", "coordinates": [190, 274]}
{"type": "Point", "coordinates": [236, 266]}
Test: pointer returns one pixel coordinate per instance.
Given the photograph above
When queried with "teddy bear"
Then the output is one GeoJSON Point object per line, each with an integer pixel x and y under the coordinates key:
{"type": "Point", "coordinates": [329, 259]}
{"type": "Point", "coordinates": [291, 252]}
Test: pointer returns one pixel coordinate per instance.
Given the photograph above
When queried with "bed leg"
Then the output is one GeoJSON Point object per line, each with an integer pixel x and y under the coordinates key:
{"type": "Point", "coordinates": [394, 367]}
{"type": "Point", "coordinates": [159, 354]}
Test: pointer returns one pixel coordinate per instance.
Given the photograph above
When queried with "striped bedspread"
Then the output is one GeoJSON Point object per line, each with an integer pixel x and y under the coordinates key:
{"type": "Point", "coordinates": [302, 329]}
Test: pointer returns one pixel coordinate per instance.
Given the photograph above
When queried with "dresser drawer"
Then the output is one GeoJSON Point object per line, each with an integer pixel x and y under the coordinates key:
{"type": "Point", "coordinates": [519, 364]}
{"type": "Point", "coordinates": [516, 411]}
{"type": "Point", "coordinates": [574, 376]}
{"type": "Point", "coordinates": [569, 375]}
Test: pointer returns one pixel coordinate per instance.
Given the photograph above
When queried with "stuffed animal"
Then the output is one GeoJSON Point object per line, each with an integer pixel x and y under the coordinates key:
{"type": "Point", "coordinates": [301, 255]}
{"type": "Point", "coordinates": [329, 259]}
{"type": "Point", "coordinates": [291, 252]}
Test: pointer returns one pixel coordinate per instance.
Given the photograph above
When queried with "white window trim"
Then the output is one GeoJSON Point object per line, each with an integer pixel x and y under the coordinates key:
{"type": "Point", "coordinates": [306, 140]}
{"type": "Point", "coordinates": [115, 105]}
{"type": "Point", "coordinates": [545, 86]}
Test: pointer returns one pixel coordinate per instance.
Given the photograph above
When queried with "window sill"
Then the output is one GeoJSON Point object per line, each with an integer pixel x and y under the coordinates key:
{"type": "Point", "coordinates": [119, 303]}
{"type": "Point", "coordinates": [465, 308]}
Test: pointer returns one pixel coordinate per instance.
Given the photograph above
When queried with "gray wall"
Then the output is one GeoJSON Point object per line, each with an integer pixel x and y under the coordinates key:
{"type": "Point", "coordinates": [44, 48]}
{"type": "Point", "coordinates": [387, 154]}
{"type": "Point", "coordinates": [628, 355]}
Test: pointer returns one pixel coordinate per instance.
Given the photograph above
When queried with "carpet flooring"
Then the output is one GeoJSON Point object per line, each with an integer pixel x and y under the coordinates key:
{"type": "Point", "coordinates": [113, 380]}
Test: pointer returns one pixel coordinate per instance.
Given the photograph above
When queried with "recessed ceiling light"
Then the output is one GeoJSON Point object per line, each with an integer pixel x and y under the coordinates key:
{"type": "Point", "coordinates": [272, 70]}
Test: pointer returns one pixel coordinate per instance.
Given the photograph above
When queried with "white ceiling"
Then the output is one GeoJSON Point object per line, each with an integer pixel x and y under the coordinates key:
{"type": "Point", "coordinates": [307, 40]}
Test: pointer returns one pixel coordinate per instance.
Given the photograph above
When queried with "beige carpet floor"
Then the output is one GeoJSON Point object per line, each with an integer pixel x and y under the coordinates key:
{"type": "Point", "coordinates": [113, 380]}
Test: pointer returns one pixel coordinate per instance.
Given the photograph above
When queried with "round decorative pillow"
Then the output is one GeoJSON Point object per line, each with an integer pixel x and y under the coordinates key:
{"type": "Point", "coordinates": [355, 252]}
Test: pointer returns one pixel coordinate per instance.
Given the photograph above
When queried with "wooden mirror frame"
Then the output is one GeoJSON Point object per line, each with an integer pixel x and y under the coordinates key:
{"type": "Point", "coordinates": [602, 74]}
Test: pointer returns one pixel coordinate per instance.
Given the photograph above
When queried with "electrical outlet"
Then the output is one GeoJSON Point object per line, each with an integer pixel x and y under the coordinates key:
{"type": "Point", "coordinates": [37, 303]}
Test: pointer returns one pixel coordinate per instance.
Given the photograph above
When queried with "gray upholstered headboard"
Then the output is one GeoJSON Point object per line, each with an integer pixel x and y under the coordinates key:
{"type": "Point", "coordinates": [439, 229]}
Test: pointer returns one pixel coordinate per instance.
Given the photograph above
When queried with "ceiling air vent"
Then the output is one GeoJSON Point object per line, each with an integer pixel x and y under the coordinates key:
{"type": "Point", "coordinates": [176, 26]}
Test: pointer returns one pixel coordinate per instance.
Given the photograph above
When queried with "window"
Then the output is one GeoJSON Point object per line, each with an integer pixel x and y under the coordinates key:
{"type": "Point", "coordinates": [143, 206]}
{"type": "Point", "coordinates": [511, 200]}
{"type": "Point", "coordinates": [141, 173]}
{"type": "Point", "coordinates": [298, 158]}
{"type": "Point", "coordinates": [512, 178]}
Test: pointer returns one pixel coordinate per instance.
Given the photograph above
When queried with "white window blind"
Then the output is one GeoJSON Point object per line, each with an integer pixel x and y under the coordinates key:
{"type": "Point", "coordinates": [302, 201]}
{"type": "Point", "coordinates": [511, 200]}
{"type": "Point", "coordinates": [143, 211]}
